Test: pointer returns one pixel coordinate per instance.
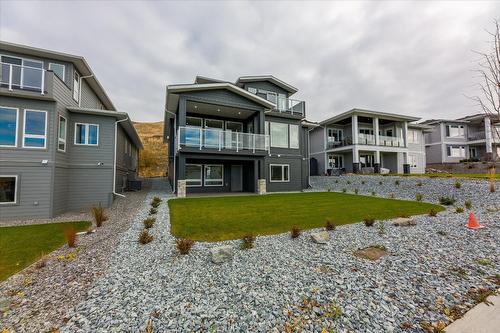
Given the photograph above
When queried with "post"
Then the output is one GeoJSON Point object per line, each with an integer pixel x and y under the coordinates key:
{"type": "Point", "coordinates": [354, 126]}
{"type": "Point", "coordinates": [376, 165]}
{"type": "Point", "coordinates": [406, 166]}
{"type": "Point", "coordinates": [200, 136]}
{"type": "Point", "coordinates": [355, 160]}
{"type": "Point", "coordinates": [237, 144]}
{"type": "Point", "coordinates": [220, 134]}
{"type": "Point", "coordinates": [488, 137]}
{"type": "Point", "coordinates": [10, 77]}
{"type": "Point", "coordinates": [253, 139]}
{"type": "Point", "coordinates": [376, 130]}
{"type": "Point", "coordinates": [405, 134]}
{"type": "Point", "coordinates": [43, 82]}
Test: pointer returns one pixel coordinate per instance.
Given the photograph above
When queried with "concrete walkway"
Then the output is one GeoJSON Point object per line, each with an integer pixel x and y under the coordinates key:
{"type": "Point", "coordinates": [480, 319]}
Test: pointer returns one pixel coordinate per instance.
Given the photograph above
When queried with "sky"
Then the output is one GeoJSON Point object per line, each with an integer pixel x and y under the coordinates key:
{"type": "Point", "coordinates": [410, 58]}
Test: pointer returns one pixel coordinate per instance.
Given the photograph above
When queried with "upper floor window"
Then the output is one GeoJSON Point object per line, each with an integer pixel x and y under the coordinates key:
{"type": "Point", "coordinates": [35, 129]}
{"type": "Point", "coordinates": [412, 136]}
{"type": "Point", "coordinates": [58, 69]}
{"type": "Point", "coordinates": [334, 135]}
{"type": "Point", "coordinates": [193, 121]}
{"type": "Point", "coordinates": [8, 127]}
{"type": "Point", "coordinates": [76, 86]}
{"type": "Point", "coordinates": [86, 134]}
{"type": "Point", "coordinates": [294, 136]}
{"type": "Point", "coordinates": [283, 135]}
{"type": "Point", "coordinates": [367, 131]}
{"type": "Point", "coordinates": [61, 137]}
{"type": "Point", "coordinates": [455, 131]}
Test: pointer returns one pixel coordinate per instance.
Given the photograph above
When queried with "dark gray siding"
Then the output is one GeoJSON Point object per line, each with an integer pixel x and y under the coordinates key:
{"type": "Point", "coordinates": [296, 172]}
{"type": "Point", "coordinates": [126, 160]}
{"type": "Point", "coordinates": [224, 97]}
{"type": "Point", "coordinates": [266, 85]}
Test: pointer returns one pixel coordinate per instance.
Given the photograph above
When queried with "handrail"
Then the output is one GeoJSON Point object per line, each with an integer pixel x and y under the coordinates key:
{"type": "Point", "coordinates": [21, 77]}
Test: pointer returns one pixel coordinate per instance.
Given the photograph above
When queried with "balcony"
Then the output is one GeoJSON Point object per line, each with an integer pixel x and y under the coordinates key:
{"type": "Point", "coordinates": [17, 77]}
{"type": "Point", "coordinates": [390, 141]}
{"type": "Point", "coordinates": [291, 106]}
{"type": "Point", "coordinates": [219, 140]}
{"type": "Point", "coordinates": [367, 139]}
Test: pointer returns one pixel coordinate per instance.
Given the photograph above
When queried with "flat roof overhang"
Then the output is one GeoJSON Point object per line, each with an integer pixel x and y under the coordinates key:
{"type": "Point", "coordinates": [369, 114]}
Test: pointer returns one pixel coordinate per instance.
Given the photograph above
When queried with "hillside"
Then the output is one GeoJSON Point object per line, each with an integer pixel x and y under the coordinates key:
{"type": "Point", "coordinates": [153, 159]}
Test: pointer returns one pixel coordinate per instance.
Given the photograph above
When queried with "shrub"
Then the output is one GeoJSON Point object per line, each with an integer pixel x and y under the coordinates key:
{"type": "Point", "coordinates": [380, 183]}
{"type": "Point", "coordinates": [458, 184]}
{"type": "Point", "coordinates": [247, 242]}
{"type": "Point", "coordinates": [330, 225]}
{"type": "Point", "coordinates": [184, 245]}
{"type": "Point", "coordinates": [397, 182]}
{"type": "Point", "coordinates": [392, 195]}
{"type": "Point", "coordinates": [42, 262]}
{"type": "Point", "coordinates": [336, 181]}
{"type": "Point", "coordinates": [156, 199]}
{"type": "Point", "coordinates": [492, 187]}
{"type": "Point", "coordinates": [329, 190]}
{"type": "Point", "coordinates": [356, 191]}
{"type": "Point", "coordinates": [459, 210]}
{"type": "Point", "coordinates": [441, 233]}
{"type": "Point", "coordinates": [99, 215]}
{"type": "Point", "coordinates": [381, 228]}
{"type": "Point", "coordinates": [295, 232]}
{"type": "Point", "coordinates": [154, 204]}
{"type": "Point", "coordinates": [70, 235]}
{"type": "Point", "coordinates": [447, 201]}
{"type": "Point", "coordinates": [153, 211]}
{"type": "Point", "coordinates": [369, 221]}
{"type": "Point", "coordinates": [348, 182]}
{"type": "Point", "coordinates": [468, 204]}
{"type": "Point", "coordinates": [149, 222]}
{"type": "Point", "coordinates": [363, 182]}
{"type": "Point", "coordinates": [419, 183]}
{"type": "Point", "coordinates": [145, 237]}
{"type": "Point", "coordinates": [373, 193]}
{"type": "Point", "coordinates": [433, 212]}
{"type": "Point", "coordinates": [419, 196]}
{"type": "Point", "coordinates": [344, 190]}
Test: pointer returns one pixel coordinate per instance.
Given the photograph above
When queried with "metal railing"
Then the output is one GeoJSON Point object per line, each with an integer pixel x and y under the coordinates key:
{"type": "Point", "coordinates": [367, 139]}
{"type": "Point", "coordinates": [295, 107]}
{"type": "Point", "coordinates": [208, 138]}
{"type": "Point", "coordinates": [390, 141]}
{"type": "Point", "coordinates": [473, 136]}
{"type": "Point", "coordinates": [22, 77]}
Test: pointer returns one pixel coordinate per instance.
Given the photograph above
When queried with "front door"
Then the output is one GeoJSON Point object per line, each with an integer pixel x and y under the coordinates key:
{"type": "Point", "coordinates": [236, 178]}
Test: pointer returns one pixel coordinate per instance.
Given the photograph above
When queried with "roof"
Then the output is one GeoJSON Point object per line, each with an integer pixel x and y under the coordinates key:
{"type": "Point", "coordinates": [438, 121]}
{"type": "Point", "coordinates": [255, 78]}
{"type": "Point", "coordinates": [423, 127]}
{"type": "Point", "coordinates": [204, 79]}
{"type": "Point", "coordinates": [78, 61]}
{"type": "Point", "coordinates": [173, 90]}
{"type": "Point", "coordinates": [311, 124]}
{"type": "Point", "coordinates": [369, 113]}
{"type": "Point", "coordinates": [127, 125]}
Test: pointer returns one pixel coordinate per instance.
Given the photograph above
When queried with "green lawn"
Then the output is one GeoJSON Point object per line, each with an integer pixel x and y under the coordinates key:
{"type": "Point", "coordinates": [20, 246]}
{"type": "Point", "coordinates": [223, 218]}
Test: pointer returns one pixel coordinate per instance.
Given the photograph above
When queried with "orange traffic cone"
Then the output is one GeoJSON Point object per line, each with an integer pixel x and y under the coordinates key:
{"type": "Point", "coordinates": [473, 224]}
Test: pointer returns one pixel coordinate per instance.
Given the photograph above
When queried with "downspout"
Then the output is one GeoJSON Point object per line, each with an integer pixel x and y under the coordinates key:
{"type": "Point", "coordinates": [114, 163]}
{"type": "Point", "coordinates": [174, 132]}
{"type": "Point", "coordinates": [80, 84]}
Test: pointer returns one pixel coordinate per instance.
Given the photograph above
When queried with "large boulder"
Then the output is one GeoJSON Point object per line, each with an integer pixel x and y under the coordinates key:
{"type": "Point", "coordinates": [221, 254]}
{"type": "Point", "coordinates": [404, 222]}
{"type": "Point", "coordinates": [321, 237]}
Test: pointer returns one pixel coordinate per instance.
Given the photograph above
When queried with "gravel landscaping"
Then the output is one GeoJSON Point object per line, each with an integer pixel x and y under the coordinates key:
{"type": "Point", "coordinates": [285, 284]}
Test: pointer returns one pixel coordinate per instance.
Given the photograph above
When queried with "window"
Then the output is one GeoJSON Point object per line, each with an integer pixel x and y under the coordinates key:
{"type": "Point", "coordinates": [412, 160]}
{"type": "Point", "coordinates": [214, 175]}
{"type": "Point", "coordinates": [334, 135]}
{"type": "Point", "coordinates": [8, 127]}
{"type": "Point", "coordinates": [279, 135]}
{"type": "Point", "coordinates": [8, 189]}
{"type": "Point", "coordinates": [193, 121]}
{"type": "Point", "coordinates": [335, 162]}
{"type": "Point", "coordinates": [193, 175]}
{"type": "Point", "coordinates": [76, 86]}
{"type": "Point", "coordinates": [234, 126]}
{"type": "Point", "coordinates": [86, 134]}
{"type": "Point", "coordinates": [454, 131]}
{"type": "Point", "coordinates": [58, 69]}
{"type": "Point", "coordinates": [456, 151]}
{"type": "Point", "coordinates": [279, 173]}
{"type": "Point", "coordinates": [294, 136]}
{"type": "Point", "coordinates": [389, 132]}
{"type": "Point", "coordinates": [61, 138]}
{"type": "Point", "coordinates": [412, 136]}
{"type": "Point", "coordinates": [472, 152]}
{"type": "Point", "coordinates": [35, 129]}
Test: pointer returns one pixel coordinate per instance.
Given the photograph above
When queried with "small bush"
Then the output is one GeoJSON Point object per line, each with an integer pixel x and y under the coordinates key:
{"type": "Point", "coordinates": [42, 262]}
{"type": "Point", "coordinates": [70, 235]}
{"type": "Point", "coordinates": [419, 196]}
{"type": "Point", "coordinates": [441, 233]}
{"type": "Point", "coordinates": [373, 193]}
{"type": "Point", "coordinates": [459, 210]}
{"type": "Point", "coordinates": [329, 190]}
{"type": "Point", "coordinates": [247, 242]}
{"type": "Point", "coordinates": [344, 190]}
{"type": "Point", "coordinates": [468, 204]}
{"type": "Point", "coordinates": [381, 228]}
{"type": "Point", "coordinates": [153, 211]}
{"type": "Point", "coordinates": [149, 222]}
{"type": "Point", "coordinates": [380, 183]}
{"type": "Point", "coordinates": [356, 191]}
{"type": "Point", "coordinates": [484, 261]}
{"type": "Point", "coordinates": [369, 221]}
{"type": "Point", "coordinates": [363, 182]}
{"type": "Point", "coordinates": [154, 204]}
{"type": "Point", "coordinates": [392, 195]}
{"type": "Point", "coordinates": [295, 232]}
{"type": "Point", "coordinates": [99, 215]}
{"type": "Point", "coordinates": [184, 245]}
{"type": "Point", "coordinates": [433, 212]}
{"type": "Point", "coordinates": [397, 182]}
{"type": "Point", "coordinates": [348, 182]}
{"type": "Point", "coordinates": [156, 199]}
{"type": "Point", "coordinates": [458, 184]}
{"type": "Point", "coordinates": [492, 187]}
{"type": "Point", "coordinates": [419, 183]}
{"type": "Point", "coordinates": [336, 181]}
{"type": "Point", "coordinates": [330, 225]}
{"type": "Point", "coordinates": [447, 201]}
{"type": "Point", "coordinates": [145, 237]}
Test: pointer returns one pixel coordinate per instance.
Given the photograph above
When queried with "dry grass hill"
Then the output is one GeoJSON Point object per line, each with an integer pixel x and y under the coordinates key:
{"type": "Point", "coordinates": [153, 159]}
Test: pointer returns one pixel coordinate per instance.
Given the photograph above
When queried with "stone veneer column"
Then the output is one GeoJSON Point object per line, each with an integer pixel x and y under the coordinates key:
{"type": "Point", "coordinates": [262, 186]}
{"type": "Point", "coordinates": [181, 188]}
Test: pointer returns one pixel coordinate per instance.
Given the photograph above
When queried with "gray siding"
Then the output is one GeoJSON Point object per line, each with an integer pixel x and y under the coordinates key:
{"type": "Point", "coordinates": [126, 163]}
{"type": "Point", "coordinates": [224, 97]}
{"type": "Point", "coordinates": [266, 85]}
{"type": "Point", "coordinates": [296, 172]}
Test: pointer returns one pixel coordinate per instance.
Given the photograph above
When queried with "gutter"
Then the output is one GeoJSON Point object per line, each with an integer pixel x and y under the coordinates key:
{"type": "Point", "coordinates": [114, 159]}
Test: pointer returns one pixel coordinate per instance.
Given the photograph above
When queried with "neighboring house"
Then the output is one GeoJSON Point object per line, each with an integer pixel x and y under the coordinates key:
{"type": "Point", "coordinates": [366, 141]}
{"type": "Point", "coordinates": [63, 144]}
{"type": "Point", "coordinates": [247, 136]}
{"type": "Point", "coordinates": [473, 137]}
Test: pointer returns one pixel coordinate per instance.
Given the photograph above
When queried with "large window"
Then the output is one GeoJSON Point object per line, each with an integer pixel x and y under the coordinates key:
{"type": "Point", "coordinates": [86, 134]}
{"type": "Point", "coordinates": [456, 151]}
{"type": "Point", "coordinates": [334, 135]}
{"type": "Point", "coordinates": [454, 131]}
{"type": "Point", "coordinates": [335, 161]}
{"type": "Point", "coordinates": [294, 136]}
{"type": "Point", "coordinates": [76, 86]}
{"type": "Point", "coordinates": [279, 172]}
{"type": "Point", "coordinates": [61, 136]}
{"type": "Point", "coordinates": [35, 129]}
{"type": "Point", "coordinates": [214, 175]}
{"type": "Point", "coordinates": [412, 136]}
{"type": "Point", "coordinates": [193, 175]}
{"type": "Point", "coordinates": [279, 135]}
{"type": "Point", "coordinates": [8, 189]}
{"type": "Point", "coordinates": [8, 127]}
{"type": "Point", "coordinates": [58, 69]}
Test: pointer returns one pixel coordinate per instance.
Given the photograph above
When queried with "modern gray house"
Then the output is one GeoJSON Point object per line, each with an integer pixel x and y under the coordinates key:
{"type": "Point", "coordinates": [366, 141]}
{"type": "Point", "coordinates": [246, 136]}
{"type": "Point", "coordinates": [63, 145]}
{"type": "Point", "coordinates": [474, 137]}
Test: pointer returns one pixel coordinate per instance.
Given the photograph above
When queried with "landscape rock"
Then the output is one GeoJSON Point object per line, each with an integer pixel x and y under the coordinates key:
{"type": "Point", "coordinates": [404, 222]}
{"type": "Point", "coordinates": [221, 254]}
{"type": "Point", "coordinates": [4, 304]}
{"type": "Point", "coordinates": [321, 237]}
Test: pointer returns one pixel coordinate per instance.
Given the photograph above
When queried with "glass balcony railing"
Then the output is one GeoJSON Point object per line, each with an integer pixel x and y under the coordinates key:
{"type": "Point", "coordinates": [209, 138]}
{"type": "Point", "coordinates": [390, 141]}
{"type": "Point", "coordinates": [292, 106]}
{"type": "Point", "coordinates": [22, 77]}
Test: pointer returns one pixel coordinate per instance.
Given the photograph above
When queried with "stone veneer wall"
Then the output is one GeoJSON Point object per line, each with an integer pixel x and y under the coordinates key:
{"type": "Point", "coordinates": [181, 188]}
{"type": "Point", "coordinates": [262, 186]}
